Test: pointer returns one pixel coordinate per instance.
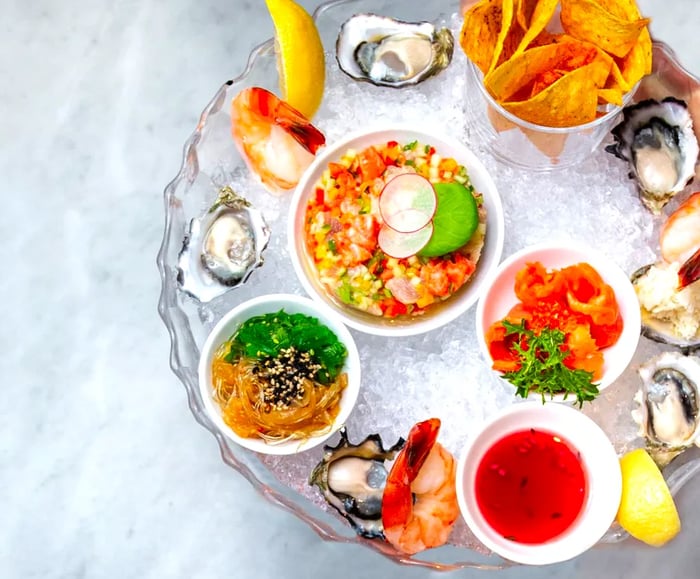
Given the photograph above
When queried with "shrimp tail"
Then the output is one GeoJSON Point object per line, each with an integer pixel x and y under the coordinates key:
{"type": "Point", "coordinates": [288, 118]}
{"type": "Point", "coordinates": [689, 272]}
{"type": "Point", "coordinates": [420, 441]}
{"type": "Point", "coordinates": [397, 499]}
{"type": "Point", "coordinates": [303, 132]}
{"type": "Point", "coordinates": [680, 235]}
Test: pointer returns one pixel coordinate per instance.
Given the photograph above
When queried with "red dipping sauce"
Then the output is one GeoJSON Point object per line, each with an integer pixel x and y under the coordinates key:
{"type": "Point", "coordinates": [530, 486]}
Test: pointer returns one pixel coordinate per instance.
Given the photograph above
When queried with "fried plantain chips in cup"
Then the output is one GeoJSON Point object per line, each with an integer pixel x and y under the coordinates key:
{"type": "Point", "coordinates": [534, 70]}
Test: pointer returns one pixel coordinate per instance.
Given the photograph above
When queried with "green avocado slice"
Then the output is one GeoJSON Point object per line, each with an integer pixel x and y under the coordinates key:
{"type": "Point", "coordinates": [455, 220]}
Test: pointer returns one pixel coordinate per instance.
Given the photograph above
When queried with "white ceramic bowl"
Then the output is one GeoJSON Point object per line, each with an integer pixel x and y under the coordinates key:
{"type": "Point", "coordinates": [498, 297]}
{"type": "Point", "coordinates": [291, 304]}
{"type": "Point", "coordinates": [438, 314]}
{"type": "Point", "coordinates": [600, 464]}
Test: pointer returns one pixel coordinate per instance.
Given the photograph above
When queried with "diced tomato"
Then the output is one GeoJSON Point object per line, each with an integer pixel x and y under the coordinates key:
{"type": "Point", "coordinates": [319, 196]}
{"type": "Point", "coordinates": [392, 308]}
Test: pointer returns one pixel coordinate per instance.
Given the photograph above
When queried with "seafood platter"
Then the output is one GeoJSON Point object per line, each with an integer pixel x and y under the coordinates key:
{"type": "Point", "coordinates": [431, 276]}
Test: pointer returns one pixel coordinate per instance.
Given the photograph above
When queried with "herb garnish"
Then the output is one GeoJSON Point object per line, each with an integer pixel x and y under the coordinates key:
{"type": "Point", "coordinates": [542, 368]}
{"type": "Point", "coordinates": [268, 334]}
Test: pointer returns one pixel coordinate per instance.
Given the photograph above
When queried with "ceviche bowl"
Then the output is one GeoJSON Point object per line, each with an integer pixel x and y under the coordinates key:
{"type": "Point", "coordinates": [556, 515]}
{"type": "Point", "coordinates": [271, 304]}
{"type": "Point", "coordinates": [383, 316]}
{"type": "Point", "coordinates": [499, 297]}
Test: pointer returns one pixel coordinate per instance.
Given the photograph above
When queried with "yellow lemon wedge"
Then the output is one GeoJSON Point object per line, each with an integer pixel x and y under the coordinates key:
{"type": "Point", "coordinates": [300, 58]}
{"type": "Point", "coordinates": [647, 511]}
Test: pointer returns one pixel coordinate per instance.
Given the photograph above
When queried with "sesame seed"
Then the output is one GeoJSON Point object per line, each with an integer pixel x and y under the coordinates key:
{"type": "Point", "coordinates": [285, 375]}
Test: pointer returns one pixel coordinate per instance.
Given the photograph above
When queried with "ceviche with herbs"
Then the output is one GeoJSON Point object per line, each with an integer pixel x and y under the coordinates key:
{"type": "Point", "coordinates": [394, 228]}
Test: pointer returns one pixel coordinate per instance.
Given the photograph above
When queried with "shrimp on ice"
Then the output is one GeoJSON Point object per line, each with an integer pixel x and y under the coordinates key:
{"type": "Point", "coordinates": [277, 142]}
{"type": "Point", "coordinates": [419, 504]}
{"type": "Point", "coordinates": [680, 240]}
{"type": "Point", "coordinates": [680, 235]}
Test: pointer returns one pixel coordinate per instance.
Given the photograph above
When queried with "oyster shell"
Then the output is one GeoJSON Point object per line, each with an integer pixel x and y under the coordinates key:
{"type": "Point", "coordinates": [352, 478]}
{"type": "Point", "coordinates": [669, 315]}
{"type": "Point", "coordinates": [656, 138]}
{"type": "Point", "coordinates": [388, 52]}
{"type": "Point", "coordinates": [669, 405]}
{"type": "Point", "coordinates": [222, 247]}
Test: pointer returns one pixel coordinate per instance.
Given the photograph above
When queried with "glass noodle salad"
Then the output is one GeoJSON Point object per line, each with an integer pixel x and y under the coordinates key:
{"type": "Point", "coordinates": [353, 212]}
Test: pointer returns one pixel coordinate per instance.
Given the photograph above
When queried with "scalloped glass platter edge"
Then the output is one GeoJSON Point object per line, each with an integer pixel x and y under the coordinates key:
{"type": "Point", "coordinates": [210, 161]}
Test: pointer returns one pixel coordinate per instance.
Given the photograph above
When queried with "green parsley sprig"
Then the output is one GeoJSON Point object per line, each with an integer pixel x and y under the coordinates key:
{"type": "Point", "coordinates": [542, 368]}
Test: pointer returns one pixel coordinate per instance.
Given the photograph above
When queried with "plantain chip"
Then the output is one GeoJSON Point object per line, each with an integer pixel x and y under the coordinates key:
{"type": "Point", "coordinates": [590, 20]}
{"type": "Point", "coordinates": [637, 62]}
{"type": "Point", "coordinates": [571, 100]}
{"type": "Point", "coordinates": [527, 74]}
{"type": "Point", "coordinates": [537, 14]}
{"type": "Point", "coordinates": [480, 31]}
{"type": "Point", "coordinates": [611, 95]}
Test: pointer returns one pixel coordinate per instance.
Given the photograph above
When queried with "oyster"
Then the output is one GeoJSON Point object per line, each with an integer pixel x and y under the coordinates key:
{"type": "Point", "coordinates": [670, 314]}
{"type": "Point", "coordinates": [222, 248]}
{"type": "Point", "coordinates": [656, 138]}
{"type": "Point", "coordinates": [388, 52]}
{"type": "Point", "coordinates": [352, 478]}
{"type": "Point", "coordinates": [669, 413]}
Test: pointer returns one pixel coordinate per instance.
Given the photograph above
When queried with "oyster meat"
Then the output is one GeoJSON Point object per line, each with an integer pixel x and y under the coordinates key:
{"type": "Point", "coordinates": [352, 478]}
{"type": "Point", "coordinates": [670, 314]}
{"type": "Point", "coordinates": [656, 138]}
{"type": "Point", "coordinates": [388, 52]}
{"type": "Point", "coordinates": [669, 405]}
{"type": "Point", "coordinates": [222, 248]}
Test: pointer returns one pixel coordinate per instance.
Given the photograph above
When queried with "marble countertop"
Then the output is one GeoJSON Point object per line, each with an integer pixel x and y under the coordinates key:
{"type": "Point", "coordinates": [104, 471]}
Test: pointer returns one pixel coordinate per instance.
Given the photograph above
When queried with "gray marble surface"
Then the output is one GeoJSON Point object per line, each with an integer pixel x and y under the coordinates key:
{"type": "Point", "coordinates": [103, 470]}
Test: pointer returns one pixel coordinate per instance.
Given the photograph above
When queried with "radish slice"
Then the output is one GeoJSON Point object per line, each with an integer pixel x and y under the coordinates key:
{"type": "Point", "coordinates": [400, 244]}
{"type": "Point", "coordinates": [407, 202]}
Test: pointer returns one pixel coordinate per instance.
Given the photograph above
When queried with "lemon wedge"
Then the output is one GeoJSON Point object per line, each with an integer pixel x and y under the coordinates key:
{"type": "Point", "coordinates": [647, 511]}
{"type": "Point", "coordinates": [300, 58]}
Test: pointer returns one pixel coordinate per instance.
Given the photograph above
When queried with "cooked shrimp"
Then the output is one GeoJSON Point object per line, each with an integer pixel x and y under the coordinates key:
{"type": "Point", "coordinates": [680, 235]}
{"type": "Point", "coordinates": [277, 142]}
{"type": "Point", "coordinates": [689, 272]}
{"type": "Point", "coordinates": [419, 504]}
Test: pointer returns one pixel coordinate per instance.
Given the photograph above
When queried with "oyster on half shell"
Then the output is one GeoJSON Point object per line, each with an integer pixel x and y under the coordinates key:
{"type": "Point", "coordinates": [222, 247]}
{"type": "Point", "coordinates": [670, 315]}
{"type": "Point", "coordinates": [352, 478]}
{"type": "Point", "coordinates": [656, 138]}
{"type": "Point", "coordinates": [388, 52]}
{"type": "Point", "coordinates": [669, 405]}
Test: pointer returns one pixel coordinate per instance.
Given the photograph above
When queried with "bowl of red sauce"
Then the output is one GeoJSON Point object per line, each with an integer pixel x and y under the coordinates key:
{"type": "Point", "coordinates": [396, 229]}
{"type": "Point", "coordinates": [574, 293]}
{"type": "Point", "coordinates": [539, 484]}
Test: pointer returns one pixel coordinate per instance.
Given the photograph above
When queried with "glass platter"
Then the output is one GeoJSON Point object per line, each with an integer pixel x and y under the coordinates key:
{"type": "Point", "coordinates": [442, 372]}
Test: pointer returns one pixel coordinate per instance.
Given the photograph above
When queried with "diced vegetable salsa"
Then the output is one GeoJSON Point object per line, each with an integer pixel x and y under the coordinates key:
{"type": "Point", "coordinates": [343, 221]}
